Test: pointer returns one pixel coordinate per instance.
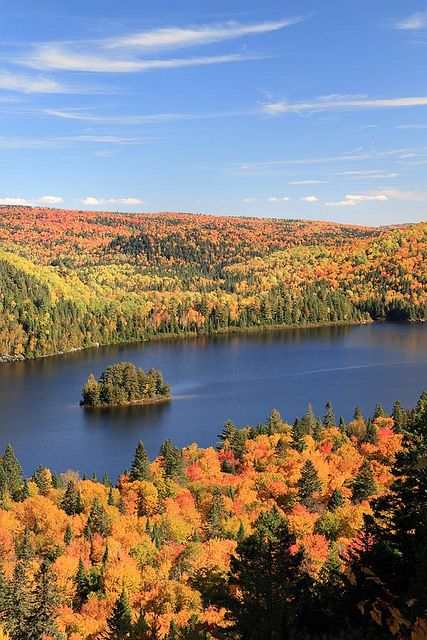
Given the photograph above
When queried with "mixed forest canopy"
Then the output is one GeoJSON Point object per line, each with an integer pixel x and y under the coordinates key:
{"type": "Point", "coordinates": [309, 531]}
{"type": "Point", "coordinates": [123, 384]}
{"type": "Point", "coordinates": [74, 279]}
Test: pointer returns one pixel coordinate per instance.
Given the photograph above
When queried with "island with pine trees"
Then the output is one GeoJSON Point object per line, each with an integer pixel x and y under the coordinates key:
{"type": "Point", "coordinates": [123, 384]}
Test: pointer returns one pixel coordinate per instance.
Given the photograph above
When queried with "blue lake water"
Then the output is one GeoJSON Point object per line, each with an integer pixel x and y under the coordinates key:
{"type": "Point", "coordinates": [242, 377]}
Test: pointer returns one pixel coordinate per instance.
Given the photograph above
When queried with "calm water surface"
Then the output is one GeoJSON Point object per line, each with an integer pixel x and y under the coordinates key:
{"type": "Point", "coordinates": [240, 377]}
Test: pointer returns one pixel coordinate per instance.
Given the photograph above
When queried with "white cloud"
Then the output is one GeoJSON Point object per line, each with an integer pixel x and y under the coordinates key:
{"type": "Point", "coordinates": [24, 84]}
{"type": "Point", "coordinates": [309, 199]}
{"type": "Point", "coordinates": [273, 199]}
{"type": "Point", "coordinates": [381, 196]}
{"type": "Point", "coordinates": [414, 22]}
{"type": "Point", "coordinates": [57, 58]}
{"type": "Point", "coordinates": [249, 200]}
{"type": "Point", "coordinates": [97, 202]}
{"type": "Point", "coordinates": [71, 141]}
{"type": "Point", "coordinates": [51, 199]}
{"type": "Point", "coordinates": [363, 197]}
{"type": "Point", "coordinates": [412, 126]}
{"type": "Point", "coordinates": [285, 199]}
{"type": "Point", "coordinates": [367, 174]}
{"type": "Point", "coordinates": [307, 182]}
{"type": "Point", "coordinates": [338, 103]}
{"type": "Point", "coordinates": [342, 203]}
{"type": "Point", "coordinates": [175, 37]}
{"type": "Point", "coordinates": [20, 202]}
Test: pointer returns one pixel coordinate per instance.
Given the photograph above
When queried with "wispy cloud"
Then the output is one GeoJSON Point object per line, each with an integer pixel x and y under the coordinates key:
{"type": "Point", "coordinates": [307, 182]}
{"type": "Point", "coordinates": [64, 142]}
{"type": "Point", "coordinates": [412, 126]}
{"type": "Point", "coordinates": [414, 22]}
{"type": "Point", "coordinates": [342, 103]}
{"type": "Point", "coordinates": [98, 202]}
{"type": "Point", "coordinates": [51, 199]}
{"type": "Point", "coordinates": [309, 199]}
{"type": "Point", "coordinates": [352, 200]}
{"type": "Point", "coordinates": [368, 174]}
{"type": "Point", "coordinates": [25, 84]}
{"type": "Point", "coordinates": [24, 202]}
{"type": "Point", "coordinates": [58, 58]}
{"type": "Point", "coordinates": [175, 37]}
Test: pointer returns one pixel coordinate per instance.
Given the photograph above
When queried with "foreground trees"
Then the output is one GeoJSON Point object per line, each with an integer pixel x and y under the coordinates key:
{"type": "Point", "coordinates": [315, 533]}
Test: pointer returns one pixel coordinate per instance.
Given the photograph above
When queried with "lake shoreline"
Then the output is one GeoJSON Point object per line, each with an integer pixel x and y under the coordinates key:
{"type": "Point", "coordinates": [130, 403]}
{"type": "Point", "coordinates": [165, 337]}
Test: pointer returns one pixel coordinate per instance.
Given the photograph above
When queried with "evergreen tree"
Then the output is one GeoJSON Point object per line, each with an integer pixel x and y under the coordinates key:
{"type": "Point", "coordinates": [71, 503]}
{"type": "Point", "coordinates": [17, 604]}
{"type": "Point", "coordinates": [309, 420]}
{"type": "Point", "coordinates": [266, 572]}
{"type": "Point", "coordinates": [24, 549]}
{"type": "Point", "coordinates": [399, 417]}
{"type": "Point", "coordinates": [68, 535]}
{"type": "Point", "coordinates": [317, 429]}
{"type": "Point", "coordinates": [81, 581]}
{"type": "Point", "coordinates": [45, 600]}
{"type": "Point", "coordinates": [357, 415]}
{"type": "Point", "coordinates": [371, 432]}
{"type": "Point", "coordinates": [298, 436]}
{"type": "Point", "coordinates": [91, 392]}
{"type": "Point", "coordinates": [364, 484]}
{"type": "Point", "coordinates": [98, 521]}
{"type": "Point", "coordinates": [13, 473]}
{"type": "Point", "coordinates": [106, 480]}
{"type": "Point", "coordinates": [336, 500]}
{"type": "Point", "coordinates": [215, 513]}
{"type": "Point", "coordinates": [140, 469]}
{"type": "Point", "coordinates": [111, 501]}
{"type": "Point", "coordinates": [379, 412]}
{"type": "Point", "coordinates": [119, 623]}
{"type": "Point", "coordinates": [308, 483]}
{"type": "Point", "coordinates": [121, 506]}
{"type": "Point", "coordinates": [329, 418]}
{"type": "Point", "coordinates": [342, 425]}
{"type": "Point", "coordinates": [141, 628]}
{"type": "Point", "coordinates": [274, 422]}
{"type": "Point", "coordinates": [172, 462]}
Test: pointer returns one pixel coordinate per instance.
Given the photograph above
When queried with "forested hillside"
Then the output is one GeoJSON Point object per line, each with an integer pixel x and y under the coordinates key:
{"type": "Point", "coordinates": [72, 279]}
{"type": "Point", "coordinates": [314, 531]}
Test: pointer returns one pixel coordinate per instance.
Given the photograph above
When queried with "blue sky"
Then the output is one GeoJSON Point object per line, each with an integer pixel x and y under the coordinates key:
{"type": "Point", "coordinates": [298, 109]}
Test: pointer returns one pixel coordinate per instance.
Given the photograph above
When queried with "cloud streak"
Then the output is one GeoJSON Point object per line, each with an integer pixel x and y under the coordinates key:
{"type": "Point", "coordinates": [91, 201]}
{"type": "Point", "coordinates": [342, 103]}
{"type": "Point", "coordinates": [414, 22]}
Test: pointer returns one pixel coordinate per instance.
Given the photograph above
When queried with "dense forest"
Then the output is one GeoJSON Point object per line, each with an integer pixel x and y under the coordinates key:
{"type": "Point", "coordinates": [123, 384]}
{"type": "Point", "coordinates": [310, 531]}
{"type": "Point", "coordinates": [73, 279]}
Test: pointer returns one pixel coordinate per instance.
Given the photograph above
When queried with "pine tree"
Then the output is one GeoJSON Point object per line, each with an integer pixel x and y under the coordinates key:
{"type": "Point", "coordinates": [17, 604]}
{"type": "Point", "coordinates": [329, 418]}
{"type": "Point", "coordinates": [98, 521]}
{"type": "Point", "coordinates": [71, 503]}
{"type": "Point", "coordinates": [379, 412]}
{"type": "Point", "coordinates": [274, 422]}
{"type": "Point", "coordinates": [81, 581]}
{"type": "Point", "coordinates": [298, 436]}
{"type": "Point", "coordinates": [141, 628]}
{"type": "Point", "coordinates": [106, 480]}
{"type": "Point", "coordinates": [45, 600]}
{"type": "Point", "coordinates": [342, 425]}
{"type": "Point", "coordinates": [172, 462]}
{"type": "Point", "coordinates": [364, 484]}
{"type": "Point", "coordinates": [371, 432]}
{"type": "Point", "coordinates": [226, 435]}
{"type": "Point", "coordinates": [24, 549]}
{"type": "Point", "coordinates": [140, 469]}
{"type": "Point", "coordinates": [13, 473]}
{"type": "Point", "coordinates": [121, 506]}
{"type": "Point", "coordinates": [215, 513]}
{"type": "Point", "coordinates": [91, 392]}
{"type": "Point", "coordinates": [266, 573]}
{"type": "Point", "coordinates": [111, 501]}
{"type": "Point", "coordinates": [318, 429]}
{"type": "Point", "coordinates": [68, 535]}
{"type": "Point", "coordinates": [309, 420]}
{"type": "Point", "coordinates": [357, 415]}
{"type": "Point", "coordinates": [336, 500]}
{"type": "Point", "coordinates": [308, 483]}
{"type": "Point", "coordinates": [399, 417]}
{"type": "Point", "coordinates": [119, 623]}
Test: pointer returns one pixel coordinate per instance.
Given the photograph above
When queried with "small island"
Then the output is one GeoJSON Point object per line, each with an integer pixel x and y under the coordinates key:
{"type": "Point", "coordinates": [123, 384]}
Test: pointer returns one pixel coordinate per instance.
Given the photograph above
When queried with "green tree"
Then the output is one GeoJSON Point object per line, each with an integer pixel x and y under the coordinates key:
{"type": "Point", "coordinates": [399, 417]}
{"type": "Point", "coordinates": [23, 548]}
{"type": "Point", "coordinates": [172, 462]}
{"type": "Point", "coordinates": [98, 521]}
{"type": "Point", "coordinates": [308, 483]}
{"type": "Point", "coordinates": [45, 600]}
{"type": "Point", "coordinates": [17, 604]}
{"type": "Point", "coordinates": [329, 418]}
{"type": "Point", "coordinates": [119, 623]}
{"type": "Point", "coordinates": [298, 436]}
{"type": "Point", "coordinates": [72, 503]}
{"type": "Point", "coordinates": [81, 581]}
{"type": "Point", "coordinates": [266, 572]}
{"type": "Point", "coordinates": [13, 473]}
{"type": "Point", "coordinates": [91, 392]}
{"type": "Point", "coordinates": [215, 514]}
{"type": "Point", "coordinates": [140, 469]}
{"type": "Point", "coordinates": [274, 422]}
{"type": "Point", "coordinates": [364, 484]}
{"type": "Point", "coordinates": [336, 500]}
{"type": "Point", "coordinates": [68, 535]}
{"type": "Point", "coordinates": [42, 478]}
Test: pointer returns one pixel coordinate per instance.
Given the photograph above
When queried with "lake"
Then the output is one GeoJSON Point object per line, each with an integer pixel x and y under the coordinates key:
{"type": "Point", "coordinates": [242, 377]}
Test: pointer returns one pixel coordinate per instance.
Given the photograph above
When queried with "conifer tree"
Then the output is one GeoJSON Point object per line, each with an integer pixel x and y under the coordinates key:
{"type": "Point", "coordinates": [141, 628]}
{"type": "Point", "coordinates": [13, 473]}
{"type": "Point", "coordinates": [298, 436]}
{"type": "Point", "coordinates": [274, 422]}
{"type": "Point", "coordinates": [106, 480]}
{"type": "Point", "coordinates": [91, 392]}
{"type": "Point", "coordinates": [140, 469]}
{"type": "Point", "coordinates": [98, 521]}
{"type": "Point", "coordinates": [81, 581]}
{"type": "Point", "coordinates": [308, 483]}
{"type": "Point", "coordinates": [357, 415]}
{"type": "Point", "coordinates": [111, 501]}
{"type": "Point", "coordinates": [215, 513]}
{"type": "Point", "coordinates": [364, 484]}
{"type": "Point", "coordinates": [226, 435]}
{"type": "Point", "coordinates": [336, 500]}
{"type": "Point", "coordinates": [379, 412]}
{"type": "Point", "coordinates": [399, 417]}
{"type": "Point", "coordinates": [317, 429]}
{"type": "Point", "coordinates": [342, 425]}
{"type": "Point", "coordinates": [24, 549]}
{"type": "Point", "coordinates": [119, 623]}
{"type": "Point", "coordinates": [71, 503]}
{"type": "Point", "coordinates": [45, 600]}
{"type": "Point", "coordinates": [121, 506]}
{"type": "Point", "coordinates": [17, 604]}
{"type": "Point", "coordinates": [42, 479]}
{"type": "Point", "coordinates": [371, 432]}
{"type": "Point", "coordinates": [309, 420]}
{"type": "Point", "coordinates": [172, 462]}
{"type": "Point", "coordinates": [68, 535]}
{"type": "Point", "coordinates": [329, 418]}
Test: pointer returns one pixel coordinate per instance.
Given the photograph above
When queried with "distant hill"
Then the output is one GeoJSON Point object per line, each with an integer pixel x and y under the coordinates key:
{"type": "Point", "coordinates": [72, 279]}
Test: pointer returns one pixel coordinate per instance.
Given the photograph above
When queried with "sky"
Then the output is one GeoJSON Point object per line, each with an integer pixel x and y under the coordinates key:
{"type": "Point", "coordinates": [287, 109]}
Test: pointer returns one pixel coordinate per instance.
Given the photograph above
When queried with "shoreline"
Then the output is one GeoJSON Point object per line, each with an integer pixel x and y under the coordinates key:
{"type": "Point", "coordinates": [129, 403]}
{"type": "Point", "coordinates": [202, 334]}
